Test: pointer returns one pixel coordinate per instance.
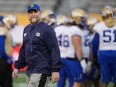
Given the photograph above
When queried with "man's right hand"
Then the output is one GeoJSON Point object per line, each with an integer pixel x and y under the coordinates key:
{"type": "Point", "coordinates": [55, 76]}
{"type": "Point", "coordinates": [15, 73]}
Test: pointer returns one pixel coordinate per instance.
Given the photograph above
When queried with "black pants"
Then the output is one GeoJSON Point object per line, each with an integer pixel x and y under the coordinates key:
{"type": "Point", "coordinates": [5, 74]}
{"type": "Point", "coordinates": [115, 85]}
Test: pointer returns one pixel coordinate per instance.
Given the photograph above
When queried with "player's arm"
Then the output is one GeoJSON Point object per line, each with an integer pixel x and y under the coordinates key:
{"type": "Point", "coordinates": [90, 60]}
{"type": "Point", "coordinates": [76, 40]}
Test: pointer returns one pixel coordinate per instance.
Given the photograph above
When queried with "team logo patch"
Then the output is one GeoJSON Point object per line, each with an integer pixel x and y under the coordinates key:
{"type": "Point", "coordinates": [37, 34]}
{"type": "Point", "coordinates": [32, 6]}
{"type": "Point", "coordinates": [25, 34]}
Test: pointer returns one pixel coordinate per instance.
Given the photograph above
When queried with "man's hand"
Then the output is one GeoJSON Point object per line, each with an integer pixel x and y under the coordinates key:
{"type": "Point", "coordinates": [55, 76]}
{"type": "Point", "coordinates": [15, 73]}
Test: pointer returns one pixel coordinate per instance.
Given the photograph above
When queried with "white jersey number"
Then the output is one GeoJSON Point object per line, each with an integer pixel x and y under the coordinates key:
{"type": "Point", "coordinates": [109, 36]}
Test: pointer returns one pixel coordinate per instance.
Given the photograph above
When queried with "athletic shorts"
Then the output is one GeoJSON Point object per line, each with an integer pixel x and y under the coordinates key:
{"type": "Point", "coordinates": [76, 70]}
{"type": "Point", "coordinates": [108, 72]}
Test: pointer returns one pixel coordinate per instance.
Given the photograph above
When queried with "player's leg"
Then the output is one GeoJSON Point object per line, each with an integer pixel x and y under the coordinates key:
{"type": "Point", "coordinates": [89, 78]}
{"type": "Point", "coordinates": [113, 71]}
{"type": "Point", "coordinates": [96, 83]}
{"type": "Point", "coordinates": [77, 73]}
{"type": "Point", "coordinates": [114, 85]}
{"type": "Point", "coordinates": [88, 83]}
{"type": "Point", "coordinates": [69, 75]}
{"type": "Point", "coordinates": [2, 71]}
{"type": "Point", "coordinates": [4, 74]}
{"type": "Point", "coordinates": [77, 84]}
{"type": "Point", "coordinates": [105, 74]}
{"type": "Point", "coordinates": [8, 79]}
{"type": "Point", "coordinates": [63, 75]}
{"type": "Point", "coordinates": [103, 85]}
{"type": "Point", "coordinates": [96, 75]}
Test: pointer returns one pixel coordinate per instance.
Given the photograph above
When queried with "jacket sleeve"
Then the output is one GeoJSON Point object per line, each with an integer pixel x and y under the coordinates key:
{"type": "Point", "coordinates": [54, 49]}
{"type": "Point", "coordinates": [20, 63]}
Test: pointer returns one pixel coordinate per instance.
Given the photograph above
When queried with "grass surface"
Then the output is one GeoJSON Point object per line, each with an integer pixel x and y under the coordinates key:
{"type": "Point", "coordinates": [21, 82]}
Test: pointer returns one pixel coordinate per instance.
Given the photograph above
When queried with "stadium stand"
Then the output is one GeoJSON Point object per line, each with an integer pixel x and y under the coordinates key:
{"type": "Point", "coordinates": [11, 6]}
{"type": "Point", "coordinates": [59, 6]}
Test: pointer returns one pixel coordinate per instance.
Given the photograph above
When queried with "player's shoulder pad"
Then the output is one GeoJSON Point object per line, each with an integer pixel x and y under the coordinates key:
{"type": "Point", "coordinates": [98, 26]}
{"type": "Point", "coordinates": [75, 28]}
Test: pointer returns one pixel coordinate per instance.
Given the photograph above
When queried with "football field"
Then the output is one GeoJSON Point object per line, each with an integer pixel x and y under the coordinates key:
{"type": "Point", "coordinates": [21, 82]}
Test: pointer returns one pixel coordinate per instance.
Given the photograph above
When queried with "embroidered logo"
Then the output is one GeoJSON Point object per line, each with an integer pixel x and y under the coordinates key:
{"type": "Point", "coordinates": [32, 6]}
{"type": "Point", "coordinates": [37, 34]}
{"type": "Point", "coordinates": [25, 34]}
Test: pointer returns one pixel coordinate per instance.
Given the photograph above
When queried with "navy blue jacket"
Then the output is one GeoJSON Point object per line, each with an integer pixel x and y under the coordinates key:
{"type": "Point", "coordinates": [39, 51]}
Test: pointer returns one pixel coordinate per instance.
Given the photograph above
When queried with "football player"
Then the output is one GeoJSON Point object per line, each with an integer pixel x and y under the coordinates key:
{"type": "Point", "coordinates": [63, 42]}
{"type": "Point", "coordinates": [105, 41]}
{"type": "Point", "coordinates": [94, 73]}
{"type": "Point", "coordinates": [5, 56]}
{"type": "Point", "coordinates": [79, 50]}
{"type": "Point", "coordinates": [15, 29]}
{"type": "Point", "coordinates": [49, 17]}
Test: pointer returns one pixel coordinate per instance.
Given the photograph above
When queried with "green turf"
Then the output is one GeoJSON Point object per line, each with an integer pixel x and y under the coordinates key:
{"type": "Point", "coordinates": [21, 82]}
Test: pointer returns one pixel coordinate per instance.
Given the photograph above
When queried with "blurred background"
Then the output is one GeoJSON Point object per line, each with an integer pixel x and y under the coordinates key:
{"type": "Point", "coordinates": [59, 6]}
{"type": "Point", "coordinates": [19, 7]}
